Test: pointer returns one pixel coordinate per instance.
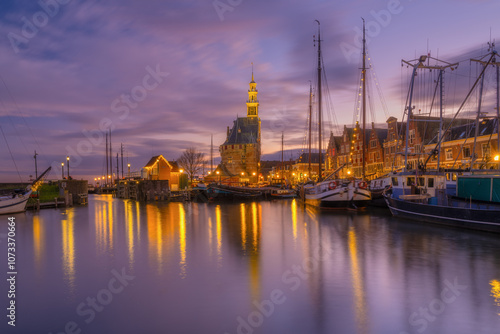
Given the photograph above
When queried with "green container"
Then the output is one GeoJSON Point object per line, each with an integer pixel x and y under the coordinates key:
{"type": "Point", "coordinates": [483, 188]}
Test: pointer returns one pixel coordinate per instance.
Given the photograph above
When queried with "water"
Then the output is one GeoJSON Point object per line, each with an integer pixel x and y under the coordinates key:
{"type": "Point", "coordinates": [266, 267]}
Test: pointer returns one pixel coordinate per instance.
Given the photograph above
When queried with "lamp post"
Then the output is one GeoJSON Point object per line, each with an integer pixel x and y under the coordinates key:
{"type": "Point", "coordinates": [217, 172]}
{"type": "Point", "coordinates": [67, 160]}
{"type": "Point", "coordinates": [62, 170]}
{"type": "Point", "coordinates": [128, 165]}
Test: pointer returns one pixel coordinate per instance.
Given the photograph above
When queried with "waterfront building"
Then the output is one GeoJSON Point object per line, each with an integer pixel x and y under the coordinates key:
{"type": "Point", "coordinates": [301, 167]}
{"type": "Point", "coordinates": [241, 151]}
{"type": "Point", "coordinates": [457, 149]}
{"type": "Point", "coordinates": [332, 150]}
{"type": "Point", "coordinates": [159, 168]}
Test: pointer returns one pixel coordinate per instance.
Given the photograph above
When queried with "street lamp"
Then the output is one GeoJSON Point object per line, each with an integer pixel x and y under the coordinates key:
{"type": "Point", "coordinates": [128, 165]}
{"type": "Point", "coordinates": [67, 159]}
{"type": "Point", "coordinates": [217, 172]}
{"type": "Point", "coordinates": [62, 170]}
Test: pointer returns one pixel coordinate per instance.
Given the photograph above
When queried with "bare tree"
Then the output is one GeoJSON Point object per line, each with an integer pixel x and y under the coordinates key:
{"type": "Point", "coordinates": [191, 161]}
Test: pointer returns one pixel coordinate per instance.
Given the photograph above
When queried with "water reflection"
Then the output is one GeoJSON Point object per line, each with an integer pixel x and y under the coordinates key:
{"type": "Point", "coordinates": [357, 283]}
{"type": "Point", "coordinates": [104, 223]}
{"type": "Point", "coordinates": [182, 240]}
{"type": "Point", "coordinates": [495, 291]}
{"type": "Point", "coordinates": [215, 263]}
{"type": "Point", "coordinates": [38, 243]}
{"type": "Point", "coordinates": [68, 248]}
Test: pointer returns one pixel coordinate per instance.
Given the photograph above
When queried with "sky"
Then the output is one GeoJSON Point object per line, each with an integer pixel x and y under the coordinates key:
{"type": "Point", "coordinates": [166, 75]}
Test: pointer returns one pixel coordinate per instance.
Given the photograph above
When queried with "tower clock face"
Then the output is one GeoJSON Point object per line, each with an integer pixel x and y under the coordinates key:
{"type": "Point", "coordinates": [252, 111]}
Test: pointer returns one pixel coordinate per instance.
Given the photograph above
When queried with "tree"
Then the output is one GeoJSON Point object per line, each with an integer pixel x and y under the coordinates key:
{"type": "Point", "coordinates": [191, 161]}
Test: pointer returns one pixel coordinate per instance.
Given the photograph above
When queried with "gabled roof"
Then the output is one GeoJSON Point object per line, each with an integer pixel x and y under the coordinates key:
{"type": "Point", "coordinates": [245, 131]}
{"type": "Point", "coordinates": [173, 165]}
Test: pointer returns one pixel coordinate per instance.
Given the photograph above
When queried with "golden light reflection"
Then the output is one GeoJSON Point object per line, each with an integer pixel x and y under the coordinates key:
{"type": "Point", "coordinates": [218, 220]}
{"type": "Point", "coordinates": [210, 237]}
{"type": "Point", "coordinates": [294, 219]}
{"type": "Point", "coordinates": [495, 291]}
{"type": "Point", "coordinates": [359, 294]}
{"type": "Point", "coordinates": [68, 245]}
{"type": "Point", "coordinates": [38, 242]}
{"type": "Point", "coordinates": [243, 227]}
{"type": "Point", "coordinates": [155, 231]}
{"type": "Point", "coordinates": [104, 223]}
{"type": "Point", "coordinates": [182, 240]}
{"type": "Point", "coordinates": [129, 218]}
{"type": "Point", "coordinates": [255, 226]}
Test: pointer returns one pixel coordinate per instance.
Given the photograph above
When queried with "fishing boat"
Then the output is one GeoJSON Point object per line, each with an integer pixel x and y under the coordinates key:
{"type": "Point", "coordinates": [332, 193]}
{"type": "Point", "coordinates": [16, 200]}
{"type": "Point", "coordinates": [472, 202]}
{"type": "Point", "coordinates": [224, 192]}
{"type": "Point", "coordinates": [424, 198]}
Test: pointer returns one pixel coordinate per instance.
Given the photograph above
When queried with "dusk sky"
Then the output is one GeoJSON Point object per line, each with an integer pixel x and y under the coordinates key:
{"type": "Point", "coordinates": [168, 74]}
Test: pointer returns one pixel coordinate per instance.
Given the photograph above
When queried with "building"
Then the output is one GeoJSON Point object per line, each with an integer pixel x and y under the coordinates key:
{"type": "Point", "coordinates": [240, 153]}
{"type": "Point", "coordinates": [331, 163]}
{"type": "Point", "coordinates": [461, 144]}
{"type": "Point", "coordinates": [158, 168]}
{"type": "Point", "coordinates": [301, 167]}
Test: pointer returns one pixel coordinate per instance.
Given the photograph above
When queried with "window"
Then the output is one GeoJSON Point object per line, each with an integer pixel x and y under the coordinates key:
{"type": "Point", "coordinates": [466, 152]}
{"type": "Point", "coordinates": [373, 143]}
{"type": "Point", "coordinates": [395, 181]}
{"type": "Point", "coordinates": [410, 181]}
{"type": "Point", "coordinates": [430, 182]}
{"type": "Point", "coordinates": [449, 154]}
{"type": "Point", "coordinates": [412, 136]}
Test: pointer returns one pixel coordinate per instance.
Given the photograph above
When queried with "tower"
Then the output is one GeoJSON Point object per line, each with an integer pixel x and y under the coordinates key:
{"type": "Point", "coordinates": [252, 103]}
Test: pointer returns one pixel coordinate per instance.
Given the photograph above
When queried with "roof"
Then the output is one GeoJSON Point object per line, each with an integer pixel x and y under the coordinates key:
{"type": "Point", "coordinates": [245, 131]}
{"type": "Point", "coordinates": [486, 128]}
{"type": "Point", "coordinates": [173, 164]}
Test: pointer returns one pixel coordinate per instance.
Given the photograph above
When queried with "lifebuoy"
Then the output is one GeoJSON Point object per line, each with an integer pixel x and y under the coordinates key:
{"type": "Point", "coordinates": [332, 185]}
{"type": "Point", "coordinates": [363, 184]}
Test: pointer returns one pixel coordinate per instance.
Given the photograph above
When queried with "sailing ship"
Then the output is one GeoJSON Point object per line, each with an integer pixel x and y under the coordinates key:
{"type": "Point", "coordinates": [427, 196]}
{"type": "Point", "coordinates": [329, 192]}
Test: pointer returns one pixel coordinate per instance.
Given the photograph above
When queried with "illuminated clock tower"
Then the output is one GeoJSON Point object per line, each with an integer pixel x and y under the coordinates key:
{"type": "Point", "coordinates": [252, 103]}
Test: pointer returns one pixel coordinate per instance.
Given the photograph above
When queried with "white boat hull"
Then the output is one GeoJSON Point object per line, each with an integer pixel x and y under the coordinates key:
{"type": "Point", "coordinates": [331, 195]}
{"type": "Point", "coordinates": [14, 204]}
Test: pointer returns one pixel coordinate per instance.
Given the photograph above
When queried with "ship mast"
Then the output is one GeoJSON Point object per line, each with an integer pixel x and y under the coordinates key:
{"type": "Point", "coordinates": [319, 104]}
{"type": "Point", "coordinates": [310, 128]}
{"type": "Point", "coordinates": [363, 80]}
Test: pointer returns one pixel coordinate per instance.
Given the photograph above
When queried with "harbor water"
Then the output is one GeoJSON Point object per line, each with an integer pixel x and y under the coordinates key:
{"type": "Point", "coordinates": [120, 266]}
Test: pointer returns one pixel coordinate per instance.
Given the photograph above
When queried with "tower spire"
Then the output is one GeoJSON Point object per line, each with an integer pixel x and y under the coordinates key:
{"type": "Point", "coordinates": [252, 102]}
{"type": "Point", "coordinates": [252, 73]}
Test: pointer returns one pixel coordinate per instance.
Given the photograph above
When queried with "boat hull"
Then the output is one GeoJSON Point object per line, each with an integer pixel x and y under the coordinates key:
{"type": "Point", "coordinates": [338, 198]}
{"type": "Point", "coordinates": [15, 204]}
{"type": "Point", "coordinates": [479, 219]}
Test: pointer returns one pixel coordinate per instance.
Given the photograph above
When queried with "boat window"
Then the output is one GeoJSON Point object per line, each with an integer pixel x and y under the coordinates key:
{"type": "Point", "coordinates": [454, 176]}
{"type": "Point", "coordinates": [410, 181]}
{"type": "Point", "coordinates": [430, 182]}
{"type": "Point", "coordinates": [421, 182]}
{"type": "Point", "coordinates": [395, 181]}
{"type": "Point", "coordinates": [447, 176]}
